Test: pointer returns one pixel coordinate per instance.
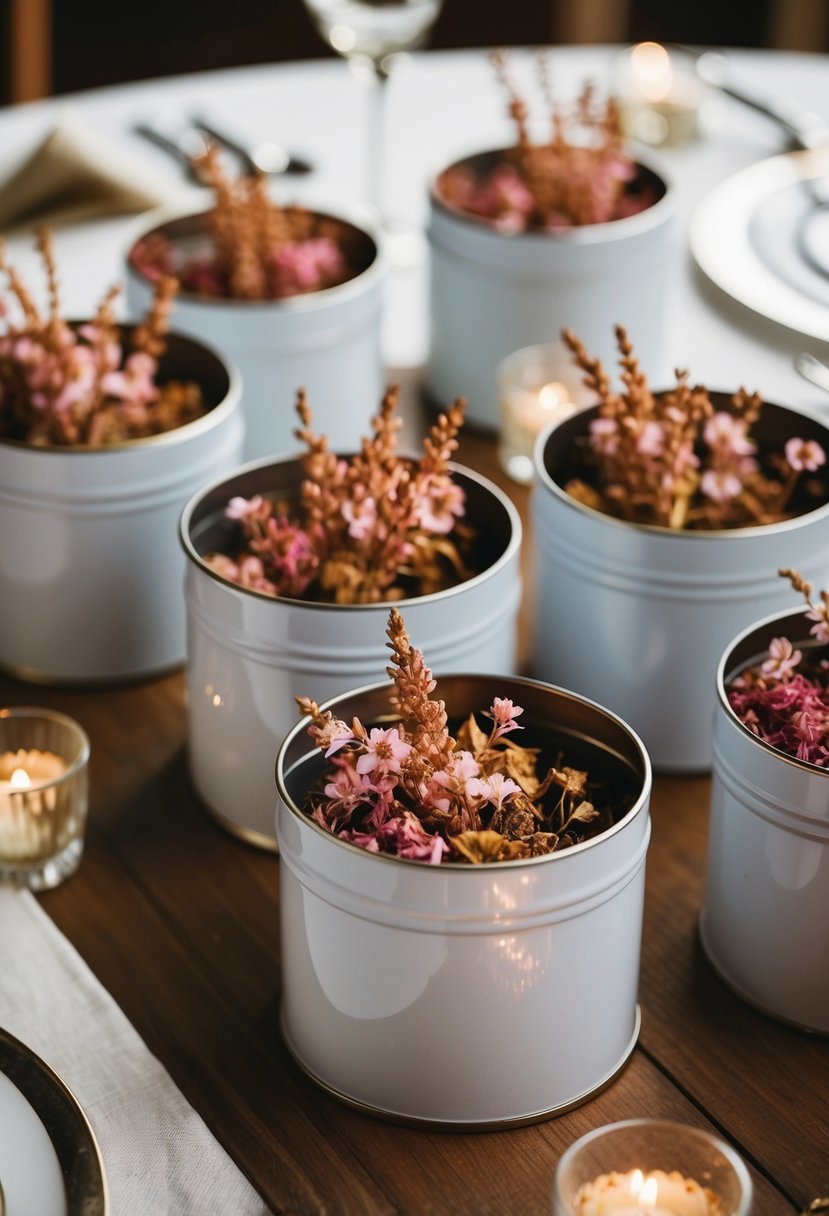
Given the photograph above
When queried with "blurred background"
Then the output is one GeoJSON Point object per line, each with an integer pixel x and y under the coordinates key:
{"type": "Point", "coordinates": [60, 46]}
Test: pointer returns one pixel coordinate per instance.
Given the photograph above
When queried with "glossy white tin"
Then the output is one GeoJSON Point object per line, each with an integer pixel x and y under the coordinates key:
{"type": "Point", "coordinates": [765, 919]}
{"type": "Point", "coordinates": [250, 654]}
{"type": "Point", "coordinates": [451, 994]}
{"type": "Point", "coordinates": [636, 617]}
{"type": "Point", "coordinates": [91, 570]}
{"type": "Point", "coordinates": [328, 342]}
{"type": "Point", "coordinates": [493, 292]}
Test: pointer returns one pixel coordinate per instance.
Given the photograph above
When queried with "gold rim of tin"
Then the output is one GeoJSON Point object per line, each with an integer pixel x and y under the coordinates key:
{"type": "Point", "coordinates": [70, 1132]}
{"type": "Point", "coordinates": [487, 1125]}
{"type": "Point", "coordinates": [249, 835]}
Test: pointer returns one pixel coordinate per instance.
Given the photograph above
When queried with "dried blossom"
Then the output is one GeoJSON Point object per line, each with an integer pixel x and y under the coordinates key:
{"type": "Point", "coordinates": [372, 527]}
{"type": "Point", "coordinates": [673, 460]}
{"type": "Point", "coordinates": [62, 384]}
{"type": "Point", "coordinates": [257, 249]}
{"type": "Point", "coordinates": [413, 790]}
{"type": "Point", "coordinates": [580, 174]}
{"type": "Point", "coordinates": [784, 700]}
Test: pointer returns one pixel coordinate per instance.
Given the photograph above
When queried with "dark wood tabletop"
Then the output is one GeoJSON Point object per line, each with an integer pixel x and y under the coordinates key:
{"type": "Point", "coordinates": [179, 922]}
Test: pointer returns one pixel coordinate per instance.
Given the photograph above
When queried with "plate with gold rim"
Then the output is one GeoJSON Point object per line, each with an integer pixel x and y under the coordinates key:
{"type": "Point", "coordinates": [747, 237]}
{"type": "Point", "coordinates": [50, 1162]}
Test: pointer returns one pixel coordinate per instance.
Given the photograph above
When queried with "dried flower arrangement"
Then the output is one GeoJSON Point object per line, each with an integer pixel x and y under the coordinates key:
{"type": "Point", "coordinates": [785, 700]}
{"type": "Point", "coordinates": [371, 527]}
{"type": "Point", "coordinates": [86, 385]}
{"type": "Point", "coordinates": [256, 250]}
{"type": "Point", "coordinates": [580, 175]}
{"type": "Point", "coordinates": [412, 790]}
{"type": "Point", "coordinates": [675, 461]}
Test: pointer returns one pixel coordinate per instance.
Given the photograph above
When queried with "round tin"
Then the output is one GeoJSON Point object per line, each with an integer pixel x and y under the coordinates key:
{"type": "Point", "coordinates": [765, 918]}
{"type": "Point", "coordinates": [90, 565]}
{"type": "Point", "coordinates": [637, 616]}
{"type": "Point", "coordinates": [493, 292]}
{"type": "Point", "coordinates": [328, 342]}
{"type": "Point", "coordinates": [250, 655]}
{"type": "Point", "coordinates": [443, 994]}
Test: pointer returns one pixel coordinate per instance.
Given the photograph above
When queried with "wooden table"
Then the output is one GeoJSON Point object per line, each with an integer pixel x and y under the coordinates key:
{"type": "Point", "coordinates": [179, 922]}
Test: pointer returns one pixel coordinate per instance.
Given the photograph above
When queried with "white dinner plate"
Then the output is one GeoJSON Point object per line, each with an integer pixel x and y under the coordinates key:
{"type": "Point", "coordinates": [49, 1160]}
{"type": "Point", "coordinates": [747, 236]}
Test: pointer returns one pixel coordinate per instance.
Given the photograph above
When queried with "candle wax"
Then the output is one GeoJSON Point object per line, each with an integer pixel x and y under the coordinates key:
{"type": "Point", "coordinates": [637, 1194]}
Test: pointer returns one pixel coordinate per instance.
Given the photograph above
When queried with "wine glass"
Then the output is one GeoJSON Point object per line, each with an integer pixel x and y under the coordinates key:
{"type": "Point", "coordinates": [369, 33]}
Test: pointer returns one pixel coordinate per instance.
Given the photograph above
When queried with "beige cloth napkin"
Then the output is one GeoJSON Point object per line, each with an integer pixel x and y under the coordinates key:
{"type": "Point", "coordinates": [76, 174]}
{"type": "Point", "coordinates": [159, 1158]}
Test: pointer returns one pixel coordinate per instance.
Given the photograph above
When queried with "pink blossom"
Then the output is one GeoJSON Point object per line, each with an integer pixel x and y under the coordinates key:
{"type": "Point", "coordinates": [364, 840]}
{"type": "Point", "coordinates": [495, 789]}
{"type": "Point", "coordinates": [361, 516]}
{"type": "Point", "coordinates": [503, 714]}
{"type": "Point", "coordinates": [725, 432]}
{"type": "Point", "coordinates": [782, 660]}
{"type": "Point", "coordinates": [804, 454]}
{"type": "Point", "coordinates": [720, 486]}
{"type": "Point", "coordinates": [821, 629]}
{"type": "Point", "coordinates": [651, 439]}
{"type": "Point", "coordinates": [439, 503]}
{"type": "Point", "coordinates": [604, 435]}
{"type": "Point", "coordinates": [334, 735]}
{"type": "Point", "coordinates": [406, 837]}
{"type": "Point", "coordinates": [385, 752]}
{"type": "Point", "coordinates": [243, 508]}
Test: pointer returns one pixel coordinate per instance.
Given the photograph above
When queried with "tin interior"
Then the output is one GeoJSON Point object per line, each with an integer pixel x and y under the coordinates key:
{"type": "Point", "coordinates": [207, 529]}
{"type": "Point", "coordinates": [189, 237]}
{"type": "Point", "coordinates": [554, 720]}
{"type": "Point", "coordinates": [566, 449]}
{"type": "Point", "coordinates": [480, 164]}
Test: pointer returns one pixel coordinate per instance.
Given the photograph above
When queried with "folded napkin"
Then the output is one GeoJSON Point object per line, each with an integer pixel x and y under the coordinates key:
{"type": "Point", "coordinates": [76, 174]}
{"type": "Point", "coordinates": [158, 1155]}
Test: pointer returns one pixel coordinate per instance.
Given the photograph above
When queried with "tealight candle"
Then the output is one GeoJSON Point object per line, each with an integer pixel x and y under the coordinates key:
{"type": "Point", "coordinates": [659, 96]}
{"type": "Point", "coordinates": [537, 386]}
{"type": "Point", "coordinates": [43, 796]}
{"type": "Point", "coordinates": [638, 1194]}
{"type": "Point", "coordinates": [647, 1167]}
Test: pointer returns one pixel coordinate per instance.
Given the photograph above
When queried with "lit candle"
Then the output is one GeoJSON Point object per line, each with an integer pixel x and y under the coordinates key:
{"type": "Point", "coordinates": [659, 98]}
{"type": "Point", "coordinates": [26, 795]}
{"type": "Point", "coordinates": [531, 399]}
{"type": "Point", "coordinates": [639, 1194]}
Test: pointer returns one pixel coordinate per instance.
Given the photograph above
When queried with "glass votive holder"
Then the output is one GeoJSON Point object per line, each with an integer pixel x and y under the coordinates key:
{"type": "Point", "coordinates": [43, 796]}
{"type": "Point", "coordinates": [537, 386]}
{"type": "Point", "coordinates": [659, 95]}
{"type": "Point", "coordinates": [645, 1167]}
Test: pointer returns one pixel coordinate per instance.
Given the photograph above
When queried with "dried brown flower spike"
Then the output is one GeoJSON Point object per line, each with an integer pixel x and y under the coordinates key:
{"type": "Point", "coordinates": [412, 790]}
{"type": "Point", "coordinates": [673, 459]}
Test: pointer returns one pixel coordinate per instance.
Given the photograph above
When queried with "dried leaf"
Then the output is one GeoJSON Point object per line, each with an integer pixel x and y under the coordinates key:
{"type": "Point", "coordinates": [471, 738]}
{"type": "Point", "coordinates": [479, 847]}
{"type": "Point", "coordinates": [585, 812]}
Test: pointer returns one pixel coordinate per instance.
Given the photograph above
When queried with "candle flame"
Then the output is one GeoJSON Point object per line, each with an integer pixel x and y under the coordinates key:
{"type": "Point", "coordinates": [635, 1182]}
{"type": "Point", "coordinates": [552, 395]}
{"type": "Point", "coordinates": [649, 1193]}
{"type": "Point", "coordinates": [651, 66]}
{"type": "Point", "coordinates": [20, 779]}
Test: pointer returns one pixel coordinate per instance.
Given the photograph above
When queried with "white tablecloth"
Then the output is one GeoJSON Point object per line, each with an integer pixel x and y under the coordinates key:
{"type": "Point", "coordinates": [440, 105]}
{"type": "Point", "coordinates": [159, 1157]}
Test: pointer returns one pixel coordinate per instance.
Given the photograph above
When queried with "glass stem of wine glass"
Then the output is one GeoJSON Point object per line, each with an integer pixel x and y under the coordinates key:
{"type": "Point", "coordinates": [375, 134]}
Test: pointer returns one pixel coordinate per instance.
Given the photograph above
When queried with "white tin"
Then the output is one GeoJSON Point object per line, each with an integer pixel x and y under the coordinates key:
{"type": "Point", "coordinates": [765, 918]}
{"type": "Point", "coordinates": [636, 616]}
{"type": "Point", "coordinates": [250, 654]}
{"type": "Point", "coordinates": [91, 571]}
{"type": "Point", "coordinates": [466, 996]}
{"type": "Point", "coordinates": [493, 292]}
{"type": "Point", "coordinates": [328, 342]}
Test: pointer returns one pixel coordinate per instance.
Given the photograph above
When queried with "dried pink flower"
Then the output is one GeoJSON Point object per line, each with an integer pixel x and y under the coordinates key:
{"type": "Point", "coordinates": [672, 460]}
{"type": "Point", "coordinates": [415, 792]}
{"type": "Point", "coordinates": [782, 660]}
{"type": "Point", "coordinates": [374, 526]}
